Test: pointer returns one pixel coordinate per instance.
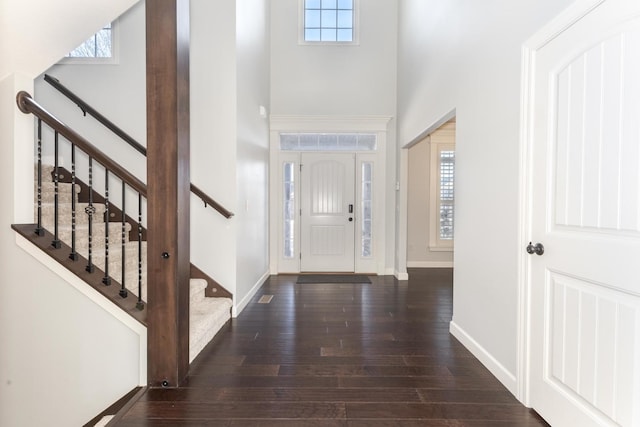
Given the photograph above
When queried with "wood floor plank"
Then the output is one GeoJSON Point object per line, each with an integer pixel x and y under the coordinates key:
{"type": "Point", "coordinates": [467, 396]}
{"type": "Point", "coordinates": [224, 410]}
{"type": "Point", "coordinates": [433, 382]}
{"type": "Point", "coordinates": [381, 395]}
{"type": "Point", "coordinates": [326, 360]}
{"type": "Point", "coordinates": [338, 355]}
{"type": "Point", "coordinates": [363, 370]}
{"type": "Point", "coordinates": [426, 411]}
{"type": "Point", "coordinates": [253, 381]}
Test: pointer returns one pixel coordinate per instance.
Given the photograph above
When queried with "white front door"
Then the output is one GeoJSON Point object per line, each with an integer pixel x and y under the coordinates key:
{"type": "Point", "coordinates": [327, 212]}
{"type": "Point", "coordinates": [585, 177]}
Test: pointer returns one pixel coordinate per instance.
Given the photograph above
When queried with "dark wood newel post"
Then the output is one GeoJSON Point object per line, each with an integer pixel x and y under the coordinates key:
{"type": "Point", "coordinates": [168, 256]}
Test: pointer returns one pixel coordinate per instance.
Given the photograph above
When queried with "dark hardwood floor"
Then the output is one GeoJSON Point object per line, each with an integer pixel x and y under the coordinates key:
{"type": "Point", "coordinates": [351, 355]}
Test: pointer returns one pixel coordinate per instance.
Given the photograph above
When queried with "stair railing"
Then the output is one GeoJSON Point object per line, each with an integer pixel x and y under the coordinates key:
{"type": "Point", "coordinates": [88, 109]}
{"type": "Point", "coordinates": [28, 105]}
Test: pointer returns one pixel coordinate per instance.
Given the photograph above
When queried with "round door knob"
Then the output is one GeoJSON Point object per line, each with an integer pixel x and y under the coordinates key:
{"type": "Point", "coordinates": [537, 249]}
{"type": "Point", "coordinates": [350, 219]}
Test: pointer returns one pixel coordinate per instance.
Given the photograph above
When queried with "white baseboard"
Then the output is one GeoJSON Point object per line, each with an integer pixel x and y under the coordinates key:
{"type": "Point", "coordinates": [237, 309]}
{"type": "Point", "coordinates": [401, 276]}
{"type": "Point", "coordinates": [497, 369]}
{"type": "Point", "coordinates": [429, 264]}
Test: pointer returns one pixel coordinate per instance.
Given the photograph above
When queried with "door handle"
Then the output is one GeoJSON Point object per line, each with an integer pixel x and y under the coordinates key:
{"type": "Point", "coordinates": [537, 249]}
{"type": "Point", "coordinates": [350, 208]}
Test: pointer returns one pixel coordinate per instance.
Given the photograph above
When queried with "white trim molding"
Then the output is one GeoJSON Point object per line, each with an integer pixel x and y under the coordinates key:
{"type": "Point", "coordinates": [283, 123]}
{"type": "Point", "coordinates": [238, 308]}
{"type": "Point", "coordinates": [429, 264]}
{"type": "Point", "coordinates": [503, 375]}
{"type": "Point", "coordinates": [401, 276]}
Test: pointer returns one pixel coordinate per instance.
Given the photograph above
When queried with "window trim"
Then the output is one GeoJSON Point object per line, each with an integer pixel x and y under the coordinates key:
{"type": "Point", "coordinates": [115, 51]}
{"type": "Point", "coordinates": [356, 28]}
{"type": "Point", "coordinates": [436, 244]}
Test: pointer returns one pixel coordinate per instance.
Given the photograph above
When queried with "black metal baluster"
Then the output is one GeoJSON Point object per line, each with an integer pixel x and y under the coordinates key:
{"type": "Point", "coordinates": [56, 241]}
{"type": "Point", "coordinates": [140, 304]}
{"type": "Point", "coordinates": [90, 210]}
{"type": "Point", "coordinates": [123, 290]}
{"type": "Point", "coordinates": [39, 229]}
{"type": "Point", "coordinates": [73, 255]}
{"type": "Point", "coordinates": [106, 279]}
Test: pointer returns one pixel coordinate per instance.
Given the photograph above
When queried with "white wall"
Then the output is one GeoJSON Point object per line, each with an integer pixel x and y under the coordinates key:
{"type": "Point", "coordinates": [229, 141]}
{"type": "Point", "coordinates": [466, 55]}
{"type": "Point", "coordinates": [333, 80]}
{"type": "Point", "coordinates": [253, 55]}
{"type": "Point", "coordinates": [35, 33]}
{"type": "Point", "coordinates": [213, 137]}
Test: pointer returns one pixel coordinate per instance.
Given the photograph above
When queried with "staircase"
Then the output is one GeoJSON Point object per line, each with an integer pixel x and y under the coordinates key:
{"type": "Point", "coordinates": [207, 314]}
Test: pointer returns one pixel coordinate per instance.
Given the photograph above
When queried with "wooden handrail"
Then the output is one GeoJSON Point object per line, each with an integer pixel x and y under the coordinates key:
{"type": "Point", "coordinates": [209, 201]}
{"type": "Point", "coordinates": [28, 105]}
{"type": "Point", "coordinates": [88, 109]}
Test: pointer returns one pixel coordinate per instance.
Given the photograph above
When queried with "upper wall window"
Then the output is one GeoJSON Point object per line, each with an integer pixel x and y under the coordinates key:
{"type": "Point", "coordinates": [329, 21]}
{"type": "Point", "coordinates": [100, 47]}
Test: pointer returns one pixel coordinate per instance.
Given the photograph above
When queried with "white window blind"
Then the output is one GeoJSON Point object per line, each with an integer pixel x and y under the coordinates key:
{"type": "Point", "coordinates": [447, 167]}
{"type": "Point", "coordinates": [442, 196]}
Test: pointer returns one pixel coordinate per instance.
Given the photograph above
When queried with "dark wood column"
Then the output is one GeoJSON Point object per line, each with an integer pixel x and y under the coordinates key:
{"type": "Point", "coordinates": [168, 191]}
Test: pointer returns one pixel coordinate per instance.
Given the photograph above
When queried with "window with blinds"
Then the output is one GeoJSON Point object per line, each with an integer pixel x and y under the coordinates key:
{"type": "Point", "coordinates": [446, 202]}
{"type": "Point", "coordinates": [442, 196]}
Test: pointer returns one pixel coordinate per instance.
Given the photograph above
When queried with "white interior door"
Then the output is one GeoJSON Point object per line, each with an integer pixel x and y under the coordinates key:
{"type": "Point", "coordinates": [585, 287]}
{"type": "Point", "coordinates": [328, 212]}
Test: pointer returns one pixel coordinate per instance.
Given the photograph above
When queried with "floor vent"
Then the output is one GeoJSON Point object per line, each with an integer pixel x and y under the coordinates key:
{"type": "Point", "coordinates": [265, 299]}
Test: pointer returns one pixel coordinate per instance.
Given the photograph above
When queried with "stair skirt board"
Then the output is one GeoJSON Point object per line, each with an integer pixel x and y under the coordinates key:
{"type": "Point", "coordinates": [207, 314]}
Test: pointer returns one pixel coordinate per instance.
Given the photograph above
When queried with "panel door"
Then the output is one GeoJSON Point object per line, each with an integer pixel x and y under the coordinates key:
{"type": "Point", "coordinates": [585, 287]}
{"type": "Point", "coordinates": [328, 212]}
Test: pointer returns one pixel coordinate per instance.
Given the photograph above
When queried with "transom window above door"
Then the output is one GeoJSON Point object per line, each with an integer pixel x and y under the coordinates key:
{"type": "Point", "coordinates": [328, 142]}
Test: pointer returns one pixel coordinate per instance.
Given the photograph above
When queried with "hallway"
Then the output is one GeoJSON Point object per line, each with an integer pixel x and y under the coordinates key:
{"type": "Point", "coordinates": [339, 355]}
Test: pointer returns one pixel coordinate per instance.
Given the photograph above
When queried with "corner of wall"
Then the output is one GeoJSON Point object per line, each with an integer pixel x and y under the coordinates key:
{"type": "Point", "coordinates": [238, 307]}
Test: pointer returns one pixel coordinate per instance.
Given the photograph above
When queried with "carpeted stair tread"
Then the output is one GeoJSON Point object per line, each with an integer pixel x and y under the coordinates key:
{"type": "Point", "coordinates": [196, 290]}
{"type": "Point", "coordinates": [205, 320]}
{"type": "Point", "coordinates": [64, 192]}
